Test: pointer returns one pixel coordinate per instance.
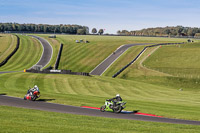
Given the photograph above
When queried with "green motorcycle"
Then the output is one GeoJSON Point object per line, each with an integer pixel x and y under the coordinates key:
{"type": "Point", "coordinates": [109, 106]}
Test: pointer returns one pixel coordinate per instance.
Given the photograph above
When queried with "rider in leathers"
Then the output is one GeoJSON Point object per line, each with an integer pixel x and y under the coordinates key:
{"type": "Point", "coordinates": [32, 90]}
{"type": "Point", "coordinates": [115, 99]}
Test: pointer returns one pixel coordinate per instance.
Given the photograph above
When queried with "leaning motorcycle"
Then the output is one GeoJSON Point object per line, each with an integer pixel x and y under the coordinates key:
{"type": "Point", "coordinates": [109, 106]}
{"type": "Point", "coordinates": [33, 96]}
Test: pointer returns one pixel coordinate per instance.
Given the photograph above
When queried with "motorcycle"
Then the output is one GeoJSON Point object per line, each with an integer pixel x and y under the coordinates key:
{"type": "Point", "coordinates": [32, 95]}
{"type": "Point", "coordinates": [109, 106]}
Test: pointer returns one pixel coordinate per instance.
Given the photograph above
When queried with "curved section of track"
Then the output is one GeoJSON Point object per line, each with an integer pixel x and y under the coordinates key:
{"type": "Point", "coordinates": [39, 105]}
{"type": "Point", "coordinates": [47, 52]}
{"type": "Point", "coordinates": [103, 66]}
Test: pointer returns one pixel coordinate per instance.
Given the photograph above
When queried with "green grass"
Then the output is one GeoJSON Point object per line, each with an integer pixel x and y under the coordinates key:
{"type": "Point", "coordinates": [28, 120]}
{"type": "Point", "coordinates": [92, 91]}
{"type": "Point", "coordinates": [27, 55]}
{"type": "Point", "coordinates": [8, 43]}
{"type": "Point", "coordinates": [141, 85]}
{"type": "Point", "coordinates": [83, 57]}
{"type": "Point", "coordinates": [177, 60]}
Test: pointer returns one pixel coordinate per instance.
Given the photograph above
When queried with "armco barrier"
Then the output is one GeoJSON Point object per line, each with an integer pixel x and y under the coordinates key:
{"type": "Point", "coordinates": [121, 70]}
{"type": "Point", "coordinates": [46, 71]}
{"type": "Point", "coordinates": [11, 54]}
{"type": "Point", "coordinates": [58, 57]}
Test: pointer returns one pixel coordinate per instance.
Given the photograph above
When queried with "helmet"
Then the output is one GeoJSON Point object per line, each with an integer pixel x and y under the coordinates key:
{"type": "Point", "coordinates": [117, 95]}
{"type": "Point", "coordinates": [36, 87]}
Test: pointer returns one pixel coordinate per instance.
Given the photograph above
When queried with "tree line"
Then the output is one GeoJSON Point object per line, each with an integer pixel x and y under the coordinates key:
{"type": "Point", "coordinates": [163, 31]}
{"type": "Point", "coordinates": [45, 28]}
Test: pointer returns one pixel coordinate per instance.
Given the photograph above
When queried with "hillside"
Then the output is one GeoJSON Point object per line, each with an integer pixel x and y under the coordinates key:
{"type": "Point", "coordinates": [27, 55]}
{"type": "Point", "coordinates": [84, 57]}
{"type": "Point", "coordinates": [7, 43]}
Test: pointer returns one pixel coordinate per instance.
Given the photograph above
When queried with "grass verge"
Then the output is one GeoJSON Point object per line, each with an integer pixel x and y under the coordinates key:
{"type": "Point", "coordinates": [27, 55]}
{"type": "Point", "coordinates": [92, 91]}
{"type": "Point", "coordinates": [28, 120]}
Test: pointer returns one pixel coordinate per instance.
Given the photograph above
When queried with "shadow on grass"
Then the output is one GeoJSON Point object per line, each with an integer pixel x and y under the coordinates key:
{"type": "Point", "coordinates": [44, 100]}
{"type": "Point", "coordinates": [1, 94]}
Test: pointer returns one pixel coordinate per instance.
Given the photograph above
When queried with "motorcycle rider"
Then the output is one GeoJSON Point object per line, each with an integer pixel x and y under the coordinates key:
{"type": "Point", "coordinates": [115, 99]}
{"type": "Point", "coordinates": [32, 90]}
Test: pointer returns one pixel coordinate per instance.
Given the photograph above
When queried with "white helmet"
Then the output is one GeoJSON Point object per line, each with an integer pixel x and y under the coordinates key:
{"type": "Point", "coordinates": [117, 95]}
{"type": "Point", "coordinates": [36, 87]}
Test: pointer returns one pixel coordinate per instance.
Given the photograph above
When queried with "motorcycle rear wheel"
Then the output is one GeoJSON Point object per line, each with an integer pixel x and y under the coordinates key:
{"type": "Point", "coordinates": [34, 98]}
{"type": "Point", "coordinates": [118, 109]}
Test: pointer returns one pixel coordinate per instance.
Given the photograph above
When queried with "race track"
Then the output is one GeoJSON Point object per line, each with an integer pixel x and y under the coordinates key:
{"type": "Point", "coordinates": [47, 52]}
{"type": "Point", "coordinates": [103, 66]}
{"type": "Point", "coordinates": [41, 105]}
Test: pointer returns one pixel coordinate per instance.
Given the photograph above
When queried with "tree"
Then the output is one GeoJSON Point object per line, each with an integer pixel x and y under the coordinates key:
{"type": "Point", "coordinates": [81, 31]}
{"type": "Point", "coordinates": [119, 32]}
{"type": "Point", "coordinates": [100, 31]}
{"type": "Point", "coordinates": [94, 30]}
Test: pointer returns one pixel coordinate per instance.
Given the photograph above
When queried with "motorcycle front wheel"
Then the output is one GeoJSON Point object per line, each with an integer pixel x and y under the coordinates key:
{"type": "Point", "coordinates": [102, 109]}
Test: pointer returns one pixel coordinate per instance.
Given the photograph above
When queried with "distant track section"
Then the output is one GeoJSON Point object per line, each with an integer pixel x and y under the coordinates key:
{"type": "Point", "coordinates": [103, 66]}
{"type": "Point", "coordinates": [52, 107]}
{"type": "Point", "coordinates": [121, 70]}
{"type": "Point", "coordinates": [47, 52]}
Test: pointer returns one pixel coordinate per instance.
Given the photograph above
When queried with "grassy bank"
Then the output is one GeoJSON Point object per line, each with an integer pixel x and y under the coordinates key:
{"type": "Point", "coordinates": [83, 57]}
{"type": "Point", "coordinates": [92, 91]}
{"type": "Point", "coordinates": [8, 43]}
{"type": "Point", "coordinates": [27, 55]}
{"type": "Point", "coordinates": [177, 60]}
{"type": "Point", "coordinates": [27, 120]}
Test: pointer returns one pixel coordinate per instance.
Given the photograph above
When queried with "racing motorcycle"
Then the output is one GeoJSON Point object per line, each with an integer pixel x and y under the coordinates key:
{"type": "Point", "coordinates": [109, 106]}
{"type": "Point", "coordinates": [32, 95]}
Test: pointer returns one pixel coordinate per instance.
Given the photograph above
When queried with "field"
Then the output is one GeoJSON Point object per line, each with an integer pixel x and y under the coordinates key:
{"type": "Point", "coordinates": [150, 85]}
{"type": "Point", "coordinates": [84, 57]}
{"type": "Point", "coordinates": [21, 120]}
{"type": "Point", "coordinates": [7, 45]}
{"type": "Point", "coordinates": [92, 91]}
{"type": "Point", "coordinates": [27, 55]}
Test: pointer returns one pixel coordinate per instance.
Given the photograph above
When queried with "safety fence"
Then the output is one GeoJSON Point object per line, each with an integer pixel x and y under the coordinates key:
{"type": "Point", "coordinates": [121, 70]}
{"type": "Point", "coordinates": [58, 57]}
{"type": "Point", "coordinates": [46, 71]}
{"type": "Point", "coordinates": [11, 54]}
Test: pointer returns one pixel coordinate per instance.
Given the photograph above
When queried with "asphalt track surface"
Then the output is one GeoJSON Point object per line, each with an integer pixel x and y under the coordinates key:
{"type": "Point", "coordinates": [47, 52]}
{"type": "Point", "coordinates": [103, 66]}
{"type": "Point", "coordinates": [41, 105]}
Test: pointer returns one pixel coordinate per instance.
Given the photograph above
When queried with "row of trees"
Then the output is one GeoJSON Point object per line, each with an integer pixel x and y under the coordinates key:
{"type": "Point", "coordinates": [45, 28]}
{"type": "Point", "coordinates": [94, 31]}
{"type": "Point", "coordinates": [163, 31]}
